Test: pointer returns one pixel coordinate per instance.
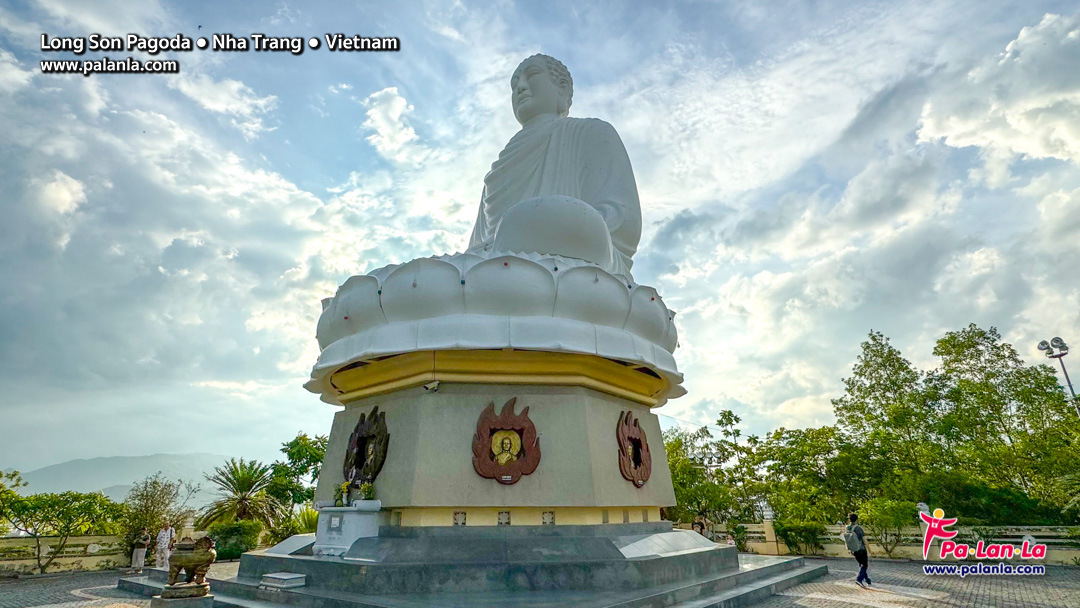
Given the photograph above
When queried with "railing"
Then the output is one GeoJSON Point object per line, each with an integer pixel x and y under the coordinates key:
{"type": "Point", "coordinates": [1063, 546]}
{"type": "Point", "coordinates": [17, 554]}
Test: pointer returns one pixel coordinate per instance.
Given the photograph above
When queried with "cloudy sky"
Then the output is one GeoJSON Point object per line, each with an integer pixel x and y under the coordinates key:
{"type": "Point", "coordinates": [808, 170]}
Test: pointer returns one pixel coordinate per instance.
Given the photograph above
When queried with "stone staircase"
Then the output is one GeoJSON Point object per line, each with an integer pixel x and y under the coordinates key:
{"type": "Point", "coordinates": [756, 578]}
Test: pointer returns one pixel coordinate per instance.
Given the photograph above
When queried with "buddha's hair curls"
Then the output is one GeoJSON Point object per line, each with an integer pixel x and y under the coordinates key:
{"type": "Point", "coordinates": [559, 75]}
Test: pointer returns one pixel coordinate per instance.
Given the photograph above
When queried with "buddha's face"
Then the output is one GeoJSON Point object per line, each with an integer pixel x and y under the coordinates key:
{"type": "Point", "coordinates": [535, 92]}
{"type": "Point", "coordinates": [506, 444]}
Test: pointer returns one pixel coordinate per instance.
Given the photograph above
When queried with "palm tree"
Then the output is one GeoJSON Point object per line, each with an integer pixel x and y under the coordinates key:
{"type": "Point", "coordinates": [242, 486]}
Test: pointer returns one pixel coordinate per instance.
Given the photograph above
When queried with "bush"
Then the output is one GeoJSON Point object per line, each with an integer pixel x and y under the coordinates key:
{"type": "Point", "coordinates": [741, 536]}
{"type": "Point", "coordinates": [307, 519]}
{"type": "Point", "coordinates": [801, 537]}
{"type": "Point", "coordinates": [285, 528]}
{"type": "Point", "coordinates": [235, 538]}
{"type": "Point", "coordinates": [885, 520]}
{"type": "Point", "coordinates": [303, 521]}
{"type": "Point", "coordinates": [1072, 538]}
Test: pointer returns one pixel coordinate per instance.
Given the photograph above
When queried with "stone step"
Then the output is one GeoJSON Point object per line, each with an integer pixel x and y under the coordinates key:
{"type": "Point", "coordinates": [742, 587]}
{"type": "Point", "coordinates": [757, 591]}
{"type": "Point", "coordinates": [687, 591]}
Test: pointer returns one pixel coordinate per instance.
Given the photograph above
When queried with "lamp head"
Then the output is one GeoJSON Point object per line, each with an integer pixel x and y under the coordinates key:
{"type": "Point", "coordinates": [1059, 344]}
{"type": "Point", "coordinates": [1044, 345]}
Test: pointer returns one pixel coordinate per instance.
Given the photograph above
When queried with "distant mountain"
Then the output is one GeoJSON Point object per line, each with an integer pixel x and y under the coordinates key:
{"type": "Point", "coordinates": [115, 475]}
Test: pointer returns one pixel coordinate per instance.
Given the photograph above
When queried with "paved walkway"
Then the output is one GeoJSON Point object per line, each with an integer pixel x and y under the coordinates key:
{"type": "Point", "coordinates": [903, 585]}
{"type": "Point", "coordinates": [899, 585]}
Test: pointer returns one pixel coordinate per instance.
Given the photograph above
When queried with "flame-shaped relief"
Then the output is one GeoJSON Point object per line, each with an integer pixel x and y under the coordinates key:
{"type": "Point", "coordinates": [505, 446]}
{"type": "Point", "coordinates": [635, 461]}
{"type": "Point", "coordinates": [366, 453]}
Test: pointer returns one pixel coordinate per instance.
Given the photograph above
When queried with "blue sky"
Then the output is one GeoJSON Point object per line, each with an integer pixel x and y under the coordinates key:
{"type": "Point", "coordinates": [808, 171]}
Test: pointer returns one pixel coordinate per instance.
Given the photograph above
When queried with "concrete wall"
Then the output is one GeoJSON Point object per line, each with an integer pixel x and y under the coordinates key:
{"type": "Point", "coordinates": [429, 456]}
{"type": "Point", "coordinates": [81, 553]}
{"type": "Point", "coordinates": [762, 540]}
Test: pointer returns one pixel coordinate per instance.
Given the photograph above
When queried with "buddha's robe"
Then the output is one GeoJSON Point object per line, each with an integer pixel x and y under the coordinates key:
{"type": "Point", "coordinates": [578, 157]}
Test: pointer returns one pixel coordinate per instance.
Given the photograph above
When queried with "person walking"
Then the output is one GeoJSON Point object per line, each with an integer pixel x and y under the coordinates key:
{"type": "Point", "coordinates": [855, 539]}
{"type": "Point", "coordinates": [138, 554]}
{"type": "Point", "coordinates": [166, 538]}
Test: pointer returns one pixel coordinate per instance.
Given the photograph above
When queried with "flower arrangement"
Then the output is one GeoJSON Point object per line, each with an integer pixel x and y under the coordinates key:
{"type": "Point", "coordinates": [367, 490]}
{"type": "Point", "coordinates": [341, 494]}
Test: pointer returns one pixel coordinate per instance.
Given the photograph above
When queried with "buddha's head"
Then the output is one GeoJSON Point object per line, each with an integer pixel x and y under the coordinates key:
{"type": "Point", "coordinates": [541, 85]}
{"type": "Point", "coordinates": [507, 444]}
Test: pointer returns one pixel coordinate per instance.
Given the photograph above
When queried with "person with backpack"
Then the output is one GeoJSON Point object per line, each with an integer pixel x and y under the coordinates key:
{"type": "Point", "coordinates": [855, 539]}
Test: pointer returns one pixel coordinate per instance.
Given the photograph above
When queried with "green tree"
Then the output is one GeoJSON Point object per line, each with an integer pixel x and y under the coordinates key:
{"type": "Point", "coordinates": [1072, 490]}
{"type": "Point", "coordinates": [59, 516]}
{"type": "Point", "coordinates": [1013, 424]}
{"type": "Point", "coordinates": [242, 485]}
{"type": "Point", "coordinates": [886, 408]}
{"type": "Point", "coordinates": [292, 481]}
{"type": "Point", "coordinates": [886, 519]}
{"type": "Point", "coordinates": [695, 489]}
{"type": "Point", "coordinates": [983, 436]}
{"type": "Point", "coordinates": [734, 468]}
{"type": "Point", "coordinates": [153, 501]}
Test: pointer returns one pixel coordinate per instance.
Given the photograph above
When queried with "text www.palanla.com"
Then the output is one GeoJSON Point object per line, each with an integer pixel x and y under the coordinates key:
{"type": "Point", "coordinates": [981, 569]}
{"type": "Point", "coordinates": [110, 66]}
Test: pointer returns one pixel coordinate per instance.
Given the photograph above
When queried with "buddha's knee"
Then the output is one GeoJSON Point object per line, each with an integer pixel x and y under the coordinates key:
{"type": "Point", "coordinates": [556, 225]}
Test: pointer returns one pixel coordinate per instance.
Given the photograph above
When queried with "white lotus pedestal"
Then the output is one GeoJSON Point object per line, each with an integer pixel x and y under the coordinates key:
{"type": "Point", "coordinates": [339, 527]}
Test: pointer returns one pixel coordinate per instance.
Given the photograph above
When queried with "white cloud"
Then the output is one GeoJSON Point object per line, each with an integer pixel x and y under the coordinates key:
{"type": "Point", "coordinates": [107, 17]}
{"type": "Point", "coordinates": [394, 138]}
{"type": "Point", "coordinates": [1060, 214]}
{"type": "Point", "coordinates": [230, 97]}
{"type": "Point", "coordinates": [61, 194]}
{"type": "Point", "coordinates": [791, 201]}
{"type": "Point", "coordinates": [12, 77]}
{"type": "Point", "coordinates": [1024, 102]}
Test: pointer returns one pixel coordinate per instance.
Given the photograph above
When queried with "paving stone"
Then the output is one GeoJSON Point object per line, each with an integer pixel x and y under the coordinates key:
{"type": "Point", "coordinates": [903, 584]}
{"type": "Point", "coordinates": [899, 585]}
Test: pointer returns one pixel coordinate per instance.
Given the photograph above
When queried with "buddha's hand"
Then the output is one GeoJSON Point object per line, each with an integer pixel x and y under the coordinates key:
{"type": "Point", "coordinates": [612, 214]}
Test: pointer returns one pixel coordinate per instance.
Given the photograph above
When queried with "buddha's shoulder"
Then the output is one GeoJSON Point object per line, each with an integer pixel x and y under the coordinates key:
{"type": "Point", "coordinates": [591, 129]}
{"type": "Point", "coordinates": [588, 123]}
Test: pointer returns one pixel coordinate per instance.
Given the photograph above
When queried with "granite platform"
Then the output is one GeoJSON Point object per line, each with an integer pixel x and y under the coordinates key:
{"type": "Point", "coordinates": [618, 565]}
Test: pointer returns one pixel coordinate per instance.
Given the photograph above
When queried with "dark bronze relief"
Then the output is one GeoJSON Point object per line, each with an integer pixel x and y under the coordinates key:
{"type": "Point", "coordinates": [635, 461]}
{"type": "Point", "coordinates": [366, 453]}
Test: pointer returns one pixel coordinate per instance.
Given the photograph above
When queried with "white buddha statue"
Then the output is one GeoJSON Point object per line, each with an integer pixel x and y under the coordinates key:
{"type": "Point", "coordinates": [561, 186]}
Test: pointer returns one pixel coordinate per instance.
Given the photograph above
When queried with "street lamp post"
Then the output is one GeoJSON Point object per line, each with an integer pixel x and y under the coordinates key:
{"type": "Point", "coordinates": [1056, 349]}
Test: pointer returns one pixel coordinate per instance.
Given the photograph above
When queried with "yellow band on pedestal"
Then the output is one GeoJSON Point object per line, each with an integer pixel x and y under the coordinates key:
{"type": "Point", "coordinates": [522, 516]}
{"type": "Point", "coordinates": [366, 378]}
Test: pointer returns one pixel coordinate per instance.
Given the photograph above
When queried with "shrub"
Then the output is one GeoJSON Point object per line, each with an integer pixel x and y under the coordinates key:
{"type": "Point", "coordinates": [1072, 538]}
{"type": "Point", "coordinates": [285, 528]}
{"type": "Point", "coordinates": [304, 521]}
{"type": "Point", "coordinates": [801, 537]}
{"type": "Point", "coordinates": [235, 538]}
{"type": "Point", "coordinates": [307, 519]}
{"type": "Point", "coordinates": [741, 536]}
{"type": "Point", "coordinates": [885, 520]}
